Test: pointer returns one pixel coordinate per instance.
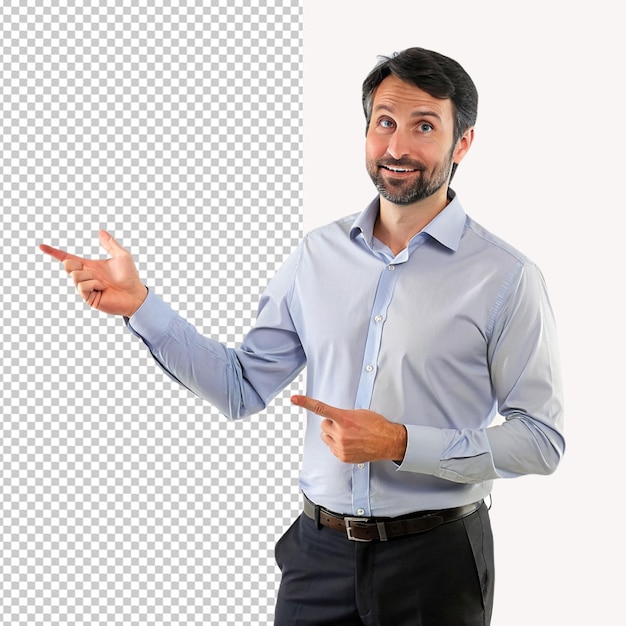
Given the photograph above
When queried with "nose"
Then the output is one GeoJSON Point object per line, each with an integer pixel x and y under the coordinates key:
{"type": "Point", "coordinates": [399, 144]}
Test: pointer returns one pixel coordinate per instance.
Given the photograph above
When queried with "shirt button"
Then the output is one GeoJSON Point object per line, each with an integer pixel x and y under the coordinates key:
{"type": "Point", "coordinates": [361, 465]}
{"type": "Point", "coordinates": [369, 368]}
{"type": "Point", "coordinates": [360, 511]}
{"type": "Point", "coordinates": [391, 267]}
{"type": "Point", "coordinates": [378, 318]}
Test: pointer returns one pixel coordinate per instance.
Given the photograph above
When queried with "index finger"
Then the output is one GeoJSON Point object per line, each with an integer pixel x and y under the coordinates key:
{"type": "Point", "coordinates": [59, 255]}
{"type": "Point", "coordinates": [317, 407]}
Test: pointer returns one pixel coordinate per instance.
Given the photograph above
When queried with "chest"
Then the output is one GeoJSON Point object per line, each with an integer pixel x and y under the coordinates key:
{"type": "Point", "coordinates": [420, 307]}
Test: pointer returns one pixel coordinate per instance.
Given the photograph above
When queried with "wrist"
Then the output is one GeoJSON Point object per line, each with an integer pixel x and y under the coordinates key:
{"type": "Point", "coordinates": [138, 298]}
{"type": "Point", "coordinates": [399, 443]}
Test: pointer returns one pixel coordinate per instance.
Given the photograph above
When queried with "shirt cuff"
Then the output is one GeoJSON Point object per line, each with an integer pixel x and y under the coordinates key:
{"type": "Point", "coordinates": [152, 319]}
{"type": "Point", "coordinates": [423, 449]}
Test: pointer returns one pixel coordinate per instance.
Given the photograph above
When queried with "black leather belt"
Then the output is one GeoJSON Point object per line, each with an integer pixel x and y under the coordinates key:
{"type": "Point", "coordinates": [382, 529]}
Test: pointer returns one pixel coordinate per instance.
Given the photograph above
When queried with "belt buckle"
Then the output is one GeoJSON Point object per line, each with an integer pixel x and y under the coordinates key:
{"type": "Point", "coordinates": [348, 521]}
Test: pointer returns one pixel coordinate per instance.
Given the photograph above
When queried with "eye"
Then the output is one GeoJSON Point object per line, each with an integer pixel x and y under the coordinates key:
{"type": "Point", "coordinates": [385, 122]}
{"type": "Point", "coordinates": [425, 127]}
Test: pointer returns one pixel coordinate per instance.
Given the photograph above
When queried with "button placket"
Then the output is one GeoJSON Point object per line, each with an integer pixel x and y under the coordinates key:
{"type": "Point", "coordinates": [382, 299]}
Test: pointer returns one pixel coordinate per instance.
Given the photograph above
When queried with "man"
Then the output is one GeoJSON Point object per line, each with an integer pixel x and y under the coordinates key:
{"type": "Point", "coordinates": [417, 326]}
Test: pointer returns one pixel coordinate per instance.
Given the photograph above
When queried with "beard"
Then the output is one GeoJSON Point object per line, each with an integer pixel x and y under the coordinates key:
{"type": "Point", "coordinates": [407, 191]}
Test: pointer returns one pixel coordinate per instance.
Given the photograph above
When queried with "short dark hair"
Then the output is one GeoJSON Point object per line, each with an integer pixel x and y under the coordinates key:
{"type": "Point", "coordinates": [434, 73]}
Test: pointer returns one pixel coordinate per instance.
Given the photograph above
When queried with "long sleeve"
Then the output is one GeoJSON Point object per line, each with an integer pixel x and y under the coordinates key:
{"type": "Point", "coordinates": [525, 371]}
{"type": "Point", "coordinates": [240, 381]}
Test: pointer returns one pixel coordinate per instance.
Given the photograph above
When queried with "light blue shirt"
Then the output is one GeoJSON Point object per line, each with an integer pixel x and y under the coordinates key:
{"type": "Point", "coordinates": [454, 338]}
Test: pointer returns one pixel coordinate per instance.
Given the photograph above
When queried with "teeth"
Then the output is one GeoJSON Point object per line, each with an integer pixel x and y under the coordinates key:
{"type": "Point", "coordinates": [397, 169]}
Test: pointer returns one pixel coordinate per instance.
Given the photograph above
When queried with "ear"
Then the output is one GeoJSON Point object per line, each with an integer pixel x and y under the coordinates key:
{"type": "Point", "coordinates": [463, 145]}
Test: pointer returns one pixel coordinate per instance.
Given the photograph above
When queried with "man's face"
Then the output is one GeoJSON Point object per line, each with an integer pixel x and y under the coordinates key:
{"type": "Point", "coordinates": [409, 144]}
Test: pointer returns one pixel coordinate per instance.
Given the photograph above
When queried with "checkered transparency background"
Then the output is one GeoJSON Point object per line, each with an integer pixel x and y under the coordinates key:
{"type": "Point", "coordinates": [177, 126]}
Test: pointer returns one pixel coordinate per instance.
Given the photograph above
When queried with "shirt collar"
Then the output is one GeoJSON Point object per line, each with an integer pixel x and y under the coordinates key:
{"type": "Point", "coordinates": [446, 227]}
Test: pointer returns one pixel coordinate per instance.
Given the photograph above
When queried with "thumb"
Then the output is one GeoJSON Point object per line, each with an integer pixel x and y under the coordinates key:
{"type": "Point", "coordinates": [109, 244]}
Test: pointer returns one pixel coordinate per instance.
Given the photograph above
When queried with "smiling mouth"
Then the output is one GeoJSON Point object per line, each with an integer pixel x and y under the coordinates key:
{"type": "Point", "coordinates": [398, 170]}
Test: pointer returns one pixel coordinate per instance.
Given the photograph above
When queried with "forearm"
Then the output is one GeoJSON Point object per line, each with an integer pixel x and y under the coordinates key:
{"type": "Point", "coordinates": [238, 382]}
{"type": "Point", "coordinates": [517, 447]}
{"type": "Point", "coordinates": [204, 366]}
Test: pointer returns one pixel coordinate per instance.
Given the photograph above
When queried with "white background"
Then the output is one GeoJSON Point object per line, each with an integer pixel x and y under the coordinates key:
{"type": "Point", "coordinates": [544, 174]}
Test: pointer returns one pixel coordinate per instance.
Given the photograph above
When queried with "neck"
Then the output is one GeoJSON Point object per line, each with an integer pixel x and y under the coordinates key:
{"type": "Point", "coordinates": [396, 225]}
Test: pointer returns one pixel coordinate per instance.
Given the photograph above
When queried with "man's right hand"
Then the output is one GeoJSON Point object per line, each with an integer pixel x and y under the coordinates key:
{"type": "Point", "coordinates": [109, 285]}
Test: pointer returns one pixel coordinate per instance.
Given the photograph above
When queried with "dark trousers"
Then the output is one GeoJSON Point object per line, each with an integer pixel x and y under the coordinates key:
{"type": "Point", "coordinates": [442, 577]}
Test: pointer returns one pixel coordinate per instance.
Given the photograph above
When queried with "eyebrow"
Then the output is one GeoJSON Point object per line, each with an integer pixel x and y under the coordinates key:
{"type": "Point", "coordinates": [416, 113]}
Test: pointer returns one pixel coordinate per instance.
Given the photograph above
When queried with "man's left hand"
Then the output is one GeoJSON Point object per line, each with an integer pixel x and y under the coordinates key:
{"type": "Point", "coordinates": [357, 435]}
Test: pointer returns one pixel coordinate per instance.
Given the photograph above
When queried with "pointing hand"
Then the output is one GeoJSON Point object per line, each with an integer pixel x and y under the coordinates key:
{"type": "Point", "coordinates": [357, 435]}
{"type": "Point", "coordinates": [111, 285]}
